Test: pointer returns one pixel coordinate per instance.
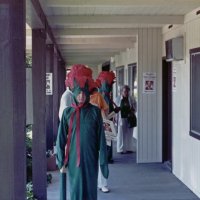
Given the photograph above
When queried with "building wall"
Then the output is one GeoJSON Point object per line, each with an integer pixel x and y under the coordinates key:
{"type": "Point", "coordinates": [185, 149]}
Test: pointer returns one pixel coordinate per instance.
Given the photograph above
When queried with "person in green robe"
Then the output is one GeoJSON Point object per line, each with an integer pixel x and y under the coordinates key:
{"type": "Point", "coordinates": [81, 138]}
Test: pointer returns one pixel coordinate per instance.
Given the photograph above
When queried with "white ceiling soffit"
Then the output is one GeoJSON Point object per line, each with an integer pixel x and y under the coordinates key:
{"type": "Point", "coordinates": [115, 3]}
{"type": "Point", "coordinates": [91, 31]}
{"type": "Point", "coordinates": [112, 21]}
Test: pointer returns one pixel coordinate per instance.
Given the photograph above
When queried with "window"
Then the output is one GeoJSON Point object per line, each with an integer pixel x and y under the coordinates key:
{"type": "Point", "coordinates": [132, 79]}
{"type": "Point", "coordinates": [120, 79]}
{"type": "Point", "coordinates": [195, 92]}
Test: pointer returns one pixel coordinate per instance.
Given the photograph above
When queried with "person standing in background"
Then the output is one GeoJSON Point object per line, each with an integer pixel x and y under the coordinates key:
{"type": "Point", "coordinates": [97, 100]}
{"type": "Point", "coordinates": [106, 80]}
{"type": "Point", "coordinates": [65, 101]}
{"type": "Point", "coordinates": [125, 134]}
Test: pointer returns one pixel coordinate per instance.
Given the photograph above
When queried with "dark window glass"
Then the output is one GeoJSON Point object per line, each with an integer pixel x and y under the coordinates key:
{"type": "Point", "coordinates": [195, 93]}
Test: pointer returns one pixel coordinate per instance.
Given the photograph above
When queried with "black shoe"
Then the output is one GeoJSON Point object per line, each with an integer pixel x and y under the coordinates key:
{"type": "Point", "coordinates": [111, 161]}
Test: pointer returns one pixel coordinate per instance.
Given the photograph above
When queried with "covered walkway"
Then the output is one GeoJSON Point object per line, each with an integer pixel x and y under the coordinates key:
{"type": "Point", "coordinates": [131, 36]}
{"type": "Point", "coordinates": [131, 181]}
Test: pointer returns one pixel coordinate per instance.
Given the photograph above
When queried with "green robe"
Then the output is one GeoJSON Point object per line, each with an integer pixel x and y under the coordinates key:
{"type": "Point", "coordinates": [83, 179]}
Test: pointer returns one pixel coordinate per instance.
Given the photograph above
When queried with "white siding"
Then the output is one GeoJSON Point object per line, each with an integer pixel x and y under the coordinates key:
{"type": "Point", "coordinates": [149, 105]}
{"type": "Point", "coordinates": [186, 149]}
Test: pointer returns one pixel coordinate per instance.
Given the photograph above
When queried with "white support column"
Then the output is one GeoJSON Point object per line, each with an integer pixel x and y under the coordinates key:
{"type": "Point", "coordinates": [149, 105]}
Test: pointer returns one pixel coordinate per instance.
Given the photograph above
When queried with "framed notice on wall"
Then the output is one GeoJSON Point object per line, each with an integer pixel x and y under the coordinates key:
{"type": "Point", "coordinates": [49, 84]}
{"type": "Point", "coordinates": [149, 82]}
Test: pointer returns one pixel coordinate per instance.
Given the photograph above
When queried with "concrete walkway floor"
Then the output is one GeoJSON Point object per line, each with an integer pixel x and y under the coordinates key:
{"type": "Point", "coordinates": [131, 181]}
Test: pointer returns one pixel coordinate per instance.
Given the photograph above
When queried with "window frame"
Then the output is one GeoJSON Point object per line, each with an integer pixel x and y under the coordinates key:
{"type": "Point", "coordinates": [132, 73]}
{"type": "Point", "coordinates": [192, 132]}
{"type": "Point", "coordinates": [118, 78]}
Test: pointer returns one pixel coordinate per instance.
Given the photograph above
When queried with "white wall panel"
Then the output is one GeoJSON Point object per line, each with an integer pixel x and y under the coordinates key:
{"type": "Point", "coordinates": [185, 149]}
{"type": "Point", "coordinates": [149, 105]}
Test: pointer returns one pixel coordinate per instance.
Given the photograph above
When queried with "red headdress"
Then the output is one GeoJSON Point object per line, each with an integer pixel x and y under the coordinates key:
{"type": "Point", "coordinates": [98, 83]}
{"type": "Point", "coordinates": [106, 76]}
{"type": "Point", "coordinates": [79, 74]}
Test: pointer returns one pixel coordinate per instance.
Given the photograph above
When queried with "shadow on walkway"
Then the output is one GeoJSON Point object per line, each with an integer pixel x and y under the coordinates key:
{"type": "Point", "coordinates": [131, 181]}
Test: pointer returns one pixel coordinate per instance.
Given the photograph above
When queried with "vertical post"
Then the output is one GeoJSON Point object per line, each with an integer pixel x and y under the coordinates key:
{"type": "Point", "coordinates": [12, 100]}
{"type": "Point", "coordinates": [55, 97]}
{"type": "Point", "coordinates": [149, 141]}
{"type": "Point", "coordinates": [39, 93]}
{"type": "Point", "coordinates": [61, 78]}
{"type": "Point", "coordinates": [49, 98]}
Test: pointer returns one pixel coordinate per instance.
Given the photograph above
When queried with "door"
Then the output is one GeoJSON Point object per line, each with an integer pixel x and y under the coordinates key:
{"type": "Point", "coordinates": [167, 112]}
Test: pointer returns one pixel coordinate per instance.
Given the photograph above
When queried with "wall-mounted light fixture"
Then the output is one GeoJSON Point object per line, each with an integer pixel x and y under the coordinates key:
{"type": "Point", "coordinates": [198, 12]}
{"type": "Point", "coordinates": [170, 26]}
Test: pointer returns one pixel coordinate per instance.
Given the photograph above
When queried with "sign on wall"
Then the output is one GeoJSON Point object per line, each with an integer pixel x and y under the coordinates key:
{"type": "Point", "coordinates": [174, 79]}
{"type": "Point", "coordinates": [149, 82]}
{"type": "Point", "coordinates": [49, 84]}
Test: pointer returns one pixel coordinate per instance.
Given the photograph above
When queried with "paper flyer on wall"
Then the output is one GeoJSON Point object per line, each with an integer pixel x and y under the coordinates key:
{"type": "Point", "coordinates": [149, 83]}
{"type": "Point", "coordinates": [174, 79]}
{"type": "Point", "coordinates": [110, 131]}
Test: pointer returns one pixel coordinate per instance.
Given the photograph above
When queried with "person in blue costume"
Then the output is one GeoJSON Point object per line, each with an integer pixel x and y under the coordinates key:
{"type": "Point", "coordinates": [106, 79]}
{"type": "Point", "coordinates": [81, 138]}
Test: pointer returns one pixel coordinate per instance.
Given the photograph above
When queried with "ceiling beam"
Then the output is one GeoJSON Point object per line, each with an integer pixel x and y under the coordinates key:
{"type": "Point", "coordinates": [94, 32]}
{"type": "Point", "coordinates": [90, 64]}
{"type": "Point", "coordinates": [82, 51]}
{"type": "Point", "coordinates": [97, 46]}
{"type": "Point", "coordinates": [83, 57]}
{"type": "Point", "coordinates": [126, 41]}
{"type": "Point", "coordinates": [65, 51]}
{"type": "Point", "coordinates": [91, 59]}
{"type": "Point", "coordinates": [87, 60]}
{"type": "Point", "coordinates": [89, 54]}
{"type": "Point", "coordinates": [114, 19]}
{"type": "Point", "coordinates": [115, 3]}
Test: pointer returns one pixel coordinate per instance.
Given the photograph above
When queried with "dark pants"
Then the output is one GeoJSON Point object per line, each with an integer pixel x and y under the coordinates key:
{"type": "Point", "coordinates": [110, 153]}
